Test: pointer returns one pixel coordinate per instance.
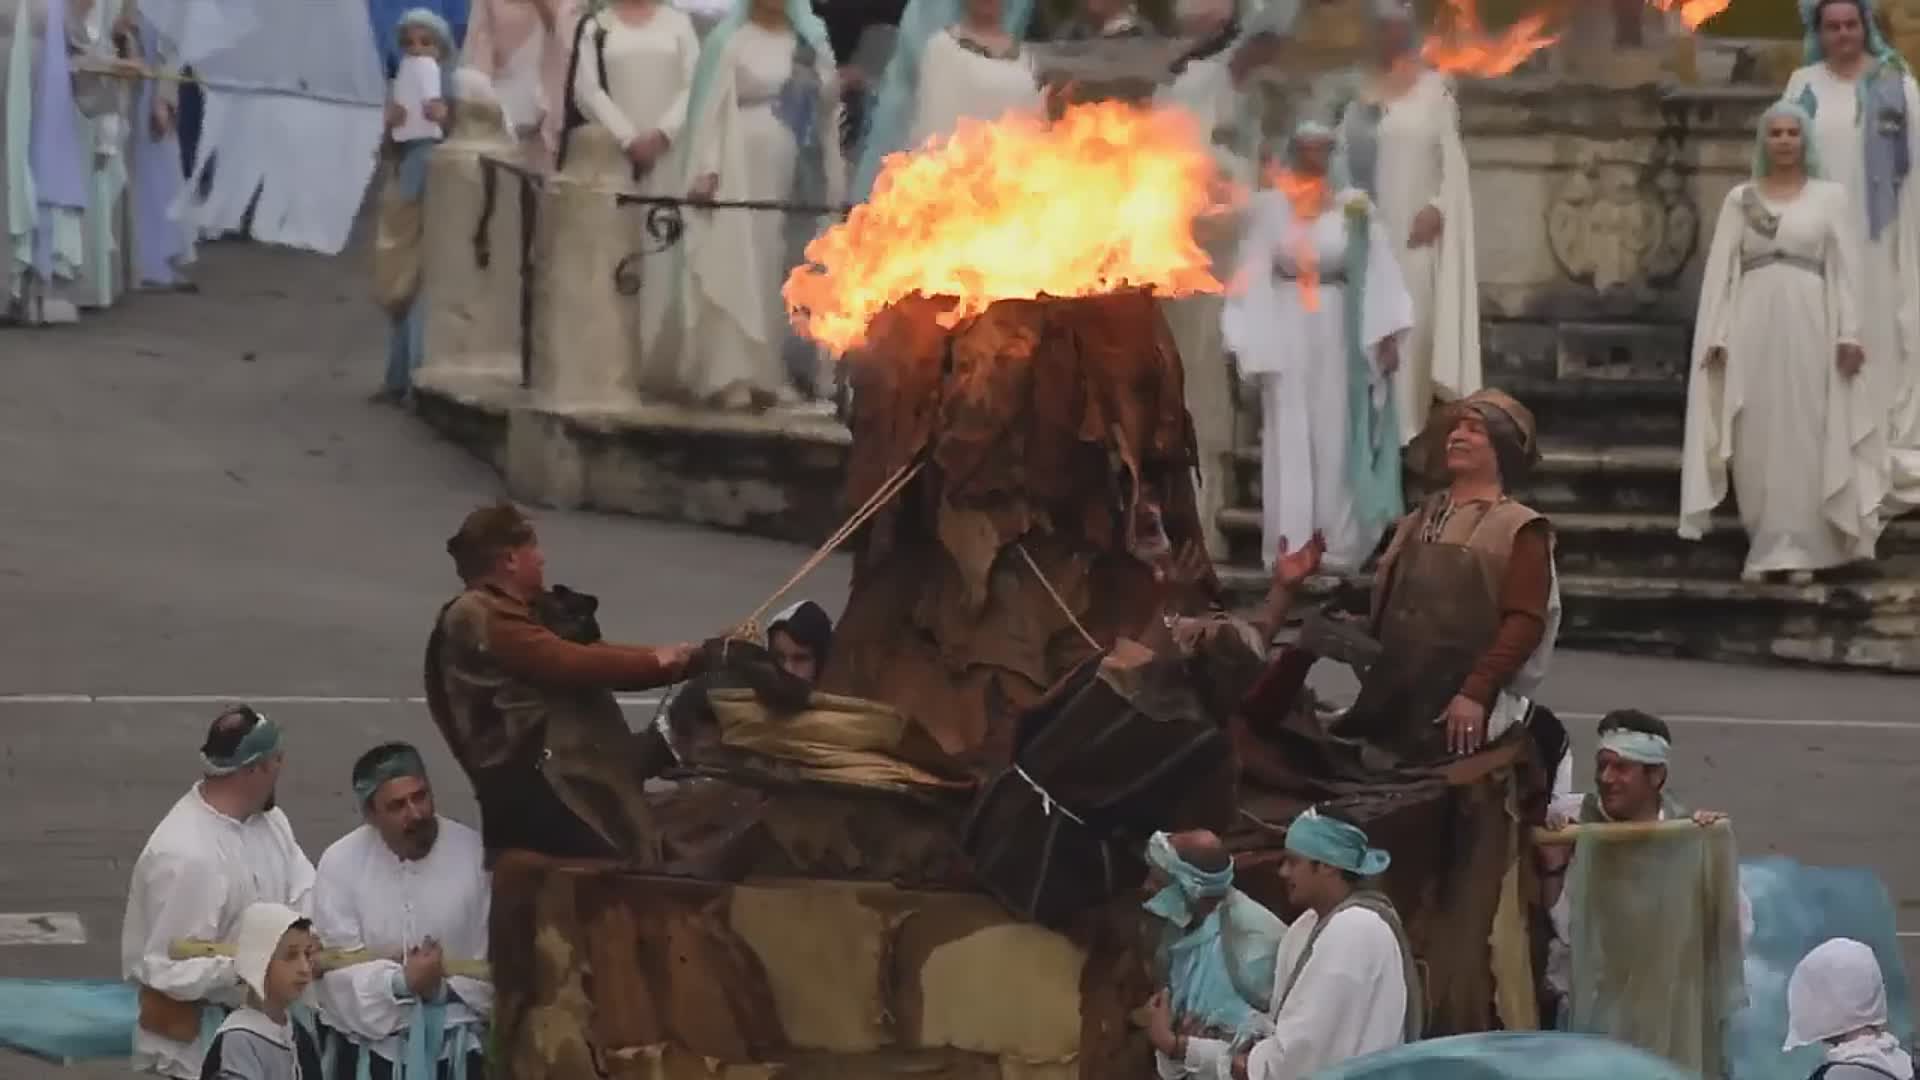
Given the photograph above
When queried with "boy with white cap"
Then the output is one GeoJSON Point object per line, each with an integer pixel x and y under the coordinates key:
{"type": "Point", "coordinates": [1837, 996]}
{"type": "Point", "coordinates": [273, 955]}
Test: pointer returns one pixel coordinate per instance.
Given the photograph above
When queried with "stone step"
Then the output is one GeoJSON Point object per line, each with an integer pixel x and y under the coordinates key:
{"type": "Point", "coordinates": [1873, 624]}
{"type": "Point", "coordinates": [1571, 476]}
{"type": "Point", "coordinates": [1646, 545]}
{"type": "Point", "coordinates": [1604, 412]}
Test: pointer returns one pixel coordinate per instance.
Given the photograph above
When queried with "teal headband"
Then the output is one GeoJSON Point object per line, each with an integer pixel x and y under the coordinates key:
{"type": "Point", "coordinates": [1189, 883]}
{"type": "Point", "coordinates": [257, 744]}
{"type": "Point", "coordinates": [1336, 843]}
{"type": "Point", "coordinates": [1637, 746]}
{"type": "Point", "coordinates": [400, 763]}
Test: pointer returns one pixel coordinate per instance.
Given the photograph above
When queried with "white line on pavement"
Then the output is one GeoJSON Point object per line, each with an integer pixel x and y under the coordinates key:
{"type": "Point", "coordinates": [1759, 721]}
{"type": "Point", "coordinates": [41, 928]}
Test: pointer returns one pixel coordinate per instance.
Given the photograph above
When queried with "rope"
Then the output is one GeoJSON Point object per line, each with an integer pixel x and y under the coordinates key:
{"type": "Point", "coordinates": [1048, 585]}
{"type": "Point", "coordinates": [884, 494]}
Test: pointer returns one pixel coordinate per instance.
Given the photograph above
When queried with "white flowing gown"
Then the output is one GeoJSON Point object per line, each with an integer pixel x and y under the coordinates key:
{"type": "Point", "coordinates": [1889, 275]}
{"type": "Point", "coordinates": [1802, 441]}
{"type": "Point", "coordinates": [738, 260]}
{"type": "Point", "coordinates": [1296, 346]}
{"type": "Point", "coordinates": [1422, 162]}
{"type": "Point", "coordinates": [649, 73]}
{"type": "Point", "coordinates": [959, 81]}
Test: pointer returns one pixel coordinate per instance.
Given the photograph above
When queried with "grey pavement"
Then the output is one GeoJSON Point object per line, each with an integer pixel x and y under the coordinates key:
{"type": "Point", "coordinates": [200, 506]}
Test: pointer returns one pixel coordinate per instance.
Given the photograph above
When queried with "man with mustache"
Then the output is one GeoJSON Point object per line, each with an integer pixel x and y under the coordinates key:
{"type": "Point", "coordinates": [411, 887]}
{"type": "Point", "coordinates": [222, 847]}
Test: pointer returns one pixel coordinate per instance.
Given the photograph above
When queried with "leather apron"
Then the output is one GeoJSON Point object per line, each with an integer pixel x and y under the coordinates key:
{"type": "Point", "coordinates": [1439, 613]}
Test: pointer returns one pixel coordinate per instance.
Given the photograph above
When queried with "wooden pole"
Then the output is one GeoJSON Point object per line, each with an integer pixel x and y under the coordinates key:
{"type": "Point", "coordinates": [328, 959]}
{"type": "Point", "coordinates": [1572, 833]}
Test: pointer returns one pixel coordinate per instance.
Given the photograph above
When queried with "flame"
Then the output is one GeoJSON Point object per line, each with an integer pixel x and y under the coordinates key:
{"type": "Point", "coordinates": [1460, 45]}
{"type": "Point", "coordinates": [1308, 195]}
{"type": "Point", "coordinates": [1102, 199]}
{"type": "Point", "coordinates": [1693, 12]}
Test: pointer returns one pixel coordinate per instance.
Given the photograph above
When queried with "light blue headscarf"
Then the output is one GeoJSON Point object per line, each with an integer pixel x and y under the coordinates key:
{"type": "Point", "coordinates": [258, 744]}
{"type": "Point", "coordinates": [1335, 843]}
{"type": "Point", "coordinates": [1186, 882]}
{"type": "Point", "coordinates": [401, 761]}
{"type": "Point", "coordinates": [1200, 965]}
{"type": "Point", "coordinates": [1809, 154]}
{"type": "Point", "coordinates": [1877, 46]}
{"type": "Point", "coordinates": [900, 84]}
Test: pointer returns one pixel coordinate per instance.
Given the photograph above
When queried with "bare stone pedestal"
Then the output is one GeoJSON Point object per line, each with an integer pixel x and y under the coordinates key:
{"type": "Point", "coordinates": [471, 267]}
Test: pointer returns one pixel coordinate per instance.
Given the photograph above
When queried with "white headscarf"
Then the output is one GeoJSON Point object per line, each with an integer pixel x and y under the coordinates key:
{"type": "Point", "coordinates": [1837, 990]}
{"type": "Point", "coordinates": [257, 939]}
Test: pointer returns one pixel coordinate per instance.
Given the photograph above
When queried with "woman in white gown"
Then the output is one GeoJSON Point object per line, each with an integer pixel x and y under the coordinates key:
{"type": "Point", "coordinates": [952, 60]}
{"type": "Point", "coordinates": [1776, 393]}
{"type": "Point", "coordinates": [1866, 136]}
{"type": "Point", "coordinates": [1318, 320]}
{"type": "Point", "coordinates": [763, 124]}
{"type": "Point", "coordinates": [632, 75]}
{"type": "Point", "coordinates": [1400, 143]}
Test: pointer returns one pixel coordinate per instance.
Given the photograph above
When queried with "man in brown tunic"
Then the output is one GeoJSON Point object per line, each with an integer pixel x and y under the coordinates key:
{"type": "Point", "coordinates": [1461, 598]}
{"type": "Point", "coordinates": [530, 715]}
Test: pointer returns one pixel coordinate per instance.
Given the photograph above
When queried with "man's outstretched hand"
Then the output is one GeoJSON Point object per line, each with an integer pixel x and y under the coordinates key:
{"type": "Point", "coordinates": [1291, 567]}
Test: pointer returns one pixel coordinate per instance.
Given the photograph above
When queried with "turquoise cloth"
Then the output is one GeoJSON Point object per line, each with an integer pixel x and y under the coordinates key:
{"type": "Point", "coordinates": [400, 763]}
{"type": "Point", "coordinates": [1510, 1055]}
{"type": "Point", "coordinates": [1335, 843]}
{"type": "Point", "coordinates": [1220, 971]}
{"type": "Point", "coordinates": [1373, 434]}
{"type": "Point", "coordinates": [66, 1020]}
{"type": "Point", "coordinates": [1201, 985]}
{"type": "Point", "coordinates": [1795, 908]}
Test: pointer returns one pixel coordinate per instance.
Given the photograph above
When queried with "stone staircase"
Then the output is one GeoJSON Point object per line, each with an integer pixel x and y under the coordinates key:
{"type": "Point", "coordinates": [1610, 480]}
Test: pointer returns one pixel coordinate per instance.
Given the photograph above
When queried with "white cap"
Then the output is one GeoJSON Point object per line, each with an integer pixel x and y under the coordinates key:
{"type": "Point", "coordinates": [1835, 989]}
{"type": "Point", "coordinates": [257, 939]}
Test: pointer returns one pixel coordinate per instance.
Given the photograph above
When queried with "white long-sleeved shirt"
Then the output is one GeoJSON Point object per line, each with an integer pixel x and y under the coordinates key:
{"type": "Point", "coordinates": [1350, 1000]}
{"type": "Point", "coordinates": [199, 871]}
{"type": "Point", "coordinates": [367, 897]}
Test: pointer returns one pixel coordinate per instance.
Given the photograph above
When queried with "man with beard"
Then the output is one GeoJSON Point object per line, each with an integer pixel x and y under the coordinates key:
{"type": "Point", "coordinates": [223, 846]}
{"type": "Point", "coordinates": [411, 888]}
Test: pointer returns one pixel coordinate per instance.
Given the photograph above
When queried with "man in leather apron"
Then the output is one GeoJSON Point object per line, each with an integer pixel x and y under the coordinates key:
{"type": "Point", "coordinates": [1463, 597]}
{"type": "Point", "coordinates": [530, 713]}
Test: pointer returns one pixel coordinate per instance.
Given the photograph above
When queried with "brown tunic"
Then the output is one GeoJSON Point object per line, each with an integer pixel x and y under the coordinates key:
{"type": "Point", "coordinates": [532, 720]}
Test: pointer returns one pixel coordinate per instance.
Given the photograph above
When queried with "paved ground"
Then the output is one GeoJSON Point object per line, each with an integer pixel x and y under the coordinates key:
{"type": "Point", "coordinates": [200, 507]}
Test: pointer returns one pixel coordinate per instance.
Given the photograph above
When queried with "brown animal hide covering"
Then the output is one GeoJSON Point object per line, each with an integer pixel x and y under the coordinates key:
{"type": "Point", "coordinates": [1045, 426]}
{"type": "Point", "coordinates": [631, 977]}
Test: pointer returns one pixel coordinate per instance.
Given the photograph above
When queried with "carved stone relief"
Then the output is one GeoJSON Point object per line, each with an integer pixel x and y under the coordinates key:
{"type": "Point", "coordinates": [1616, 224]}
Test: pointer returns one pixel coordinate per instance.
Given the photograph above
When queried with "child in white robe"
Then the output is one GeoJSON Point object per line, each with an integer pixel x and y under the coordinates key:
{"type": "Point", "coordinates": [273, 955]}
{"type": "Point", "coordinates": [1838, 997]}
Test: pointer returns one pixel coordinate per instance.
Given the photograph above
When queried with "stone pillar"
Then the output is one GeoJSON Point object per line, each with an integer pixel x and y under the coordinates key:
{"type": "Point", "coordinates": [472, 291]}
{"type": "Point", "coordinates": [586, 297]}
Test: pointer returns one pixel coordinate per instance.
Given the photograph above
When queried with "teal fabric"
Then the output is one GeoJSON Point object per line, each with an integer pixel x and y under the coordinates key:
{"type": "Point", "coordinates": [1201, 985]}
{"type": "Point", "coordinates": [400, 763]}
{"type": "Point", "coordinates": [1373, 434]}
{"type": "Point", "coordinates": [900, 83]}
{"type": "Point", "coordinates": [1335, 843]}
{"type": "Point", "coordinates": [806, 25]}
{"type": "Point", "coordinates": [1637, 746]}
{"type": "Point", "coordinates": [1877, 45]}
{"type": "Point", "coordinates": [261, 742]}
{"type": "Point", "coordinates": [1795, 908]}
{"type": "Point", "coordinates": [1187, 882]}
{"type": "Point", "coordinates": [65, 1020]}
{"type": "Point", "coordinates": [1218, 973]}
{"type": "Point", "coordinates": [1510, 1055]}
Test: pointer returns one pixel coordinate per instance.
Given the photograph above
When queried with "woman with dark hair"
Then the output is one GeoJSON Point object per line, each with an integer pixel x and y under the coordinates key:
{"type": "Point", "coordinates": [1865, 105]}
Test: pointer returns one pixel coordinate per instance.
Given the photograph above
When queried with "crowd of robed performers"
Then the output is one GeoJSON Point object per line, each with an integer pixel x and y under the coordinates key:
{"type": "Point", "coordinates": [253, 963]}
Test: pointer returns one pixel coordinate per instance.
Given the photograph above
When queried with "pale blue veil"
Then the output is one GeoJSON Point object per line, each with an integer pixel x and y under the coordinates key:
{"type": "Point", "coordinates": [1877, 46]}
{"type": "Point", "coordinates": [806, 25]}
{"type": "Point", "coordinates": [900, 85]}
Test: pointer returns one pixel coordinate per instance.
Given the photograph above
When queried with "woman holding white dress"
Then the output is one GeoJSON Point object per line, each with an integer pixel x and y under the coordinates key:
{"type": "Point", "coordinates": [1777, 395]}
{"type": "Point", "coordinates": [952, 60]}
{"type": "Point", "coordinates": [632, 75]}
{"type": "Point", "coordinates": [1400, 143]}
{"type": "Point", "coordinates": [1318, 320]}
{"type": "Point", "coordinates": [763, 125]}
{"type": "Point", "coordinates": [1866, 135]}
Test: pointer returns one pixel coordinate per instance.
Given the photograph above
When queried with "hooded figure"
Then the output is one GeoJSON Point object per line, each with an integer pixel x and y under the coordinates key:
{"type": "Point", "coordinates": [1838, 997]}
{"type": "Point", "coordinates": [402, 222]}
{"type": "Point", "coordinates": [762, 125]}
{"type": "Point", "coordinates": [1865, 111]}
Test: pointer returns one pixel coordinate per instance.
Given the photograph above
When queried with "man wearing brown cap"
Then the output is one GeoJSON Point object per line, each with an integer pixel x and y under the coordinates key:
{"type": "Point", "coordinates": [530, 714]}
{"type": "Point", "coordinates": [1465, 605]}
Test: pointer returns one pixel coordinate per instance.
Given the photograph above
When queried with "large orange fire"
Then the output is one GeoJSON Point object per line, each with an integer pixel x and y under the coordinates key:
{"type": "Point", "coordinates": [1102, 199]}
